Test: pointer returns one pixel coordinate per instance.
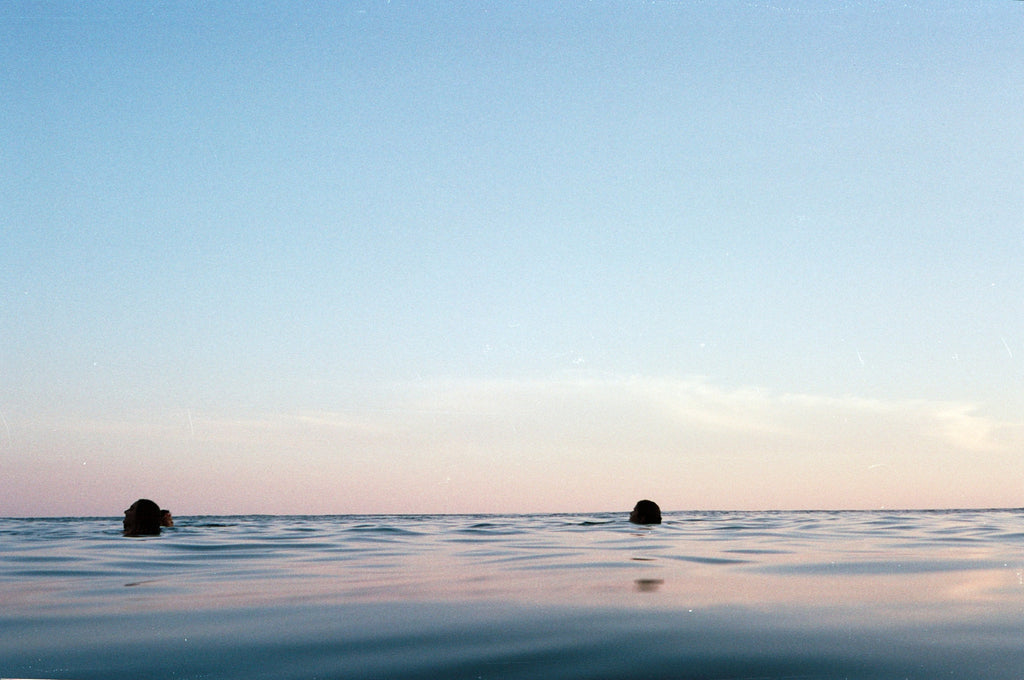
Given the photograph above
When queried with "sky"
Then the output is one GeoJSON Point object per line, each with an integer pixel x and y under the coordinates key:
{"type": "Point", "coordinates": [425, 257]}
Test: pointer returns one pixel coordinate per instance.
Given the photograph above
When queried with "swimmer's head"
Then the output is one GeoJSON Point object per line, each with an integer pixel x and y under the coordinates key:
{"type": "Point", "coordinates": [142, 518]}
{"type": "Point", "coordinates": [645, 512]}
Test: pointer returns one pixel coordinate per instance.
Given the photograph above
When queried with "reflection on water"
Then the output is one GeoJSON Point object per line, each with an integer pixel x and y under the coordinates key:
{"type": "Point", "coordinates": [648, 585]}
{"type": "Point", "coordinates": [763, 560]}
{"type": "Point", "coordinates": [75, 589]}
{"type": "Point", "coordinates": [754, 559]}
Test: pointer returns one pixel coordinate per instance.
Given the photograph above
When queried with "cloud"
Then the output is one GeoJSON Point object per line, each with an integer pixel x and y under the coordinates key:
{"type": "Point", "coordinates": [636, 406]}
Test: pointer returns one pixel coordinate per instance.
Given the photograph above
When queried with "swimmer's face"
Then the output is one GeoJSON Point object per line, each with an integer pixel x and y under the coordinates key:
{"type": "Point", "coordinates": [130, 523]}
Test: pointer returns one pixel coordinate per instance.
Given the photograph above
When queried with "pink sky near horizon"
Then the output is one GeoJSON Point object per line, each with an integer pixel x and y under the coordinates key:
{"type": "Point", "coordinates": [574, 445]}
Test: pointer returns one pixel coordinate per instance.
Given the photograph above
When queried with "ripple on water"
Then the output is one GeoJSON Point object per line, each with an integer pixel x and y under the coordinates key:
{"type": "Point", "coordinates": [821, 595]}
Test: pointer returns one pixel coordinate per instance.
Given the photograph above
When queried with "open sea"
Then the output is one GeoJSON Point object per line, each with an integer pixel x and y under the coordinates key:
{"type": "Point", "coordinates": [840, 595]}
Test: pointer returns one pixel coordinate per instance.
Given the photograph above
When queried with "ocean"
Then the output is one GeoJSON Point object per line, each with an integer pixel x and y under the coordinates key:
{"type": "Point", "coordinates": [837, 595]}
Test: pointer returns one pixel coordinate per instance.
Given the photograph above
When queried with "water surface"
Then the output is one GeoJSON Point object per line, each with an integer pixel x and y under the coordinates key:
{"type": "Point", "coordinates": [704, 595]}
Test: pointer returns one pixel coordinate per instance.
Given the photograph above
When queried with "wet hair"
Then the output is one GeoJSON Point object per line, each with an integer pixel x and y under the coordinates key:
{"type": "Point", "coordinates": [142, 518]}
{"type": "Point", "coordinates": [645, 512]}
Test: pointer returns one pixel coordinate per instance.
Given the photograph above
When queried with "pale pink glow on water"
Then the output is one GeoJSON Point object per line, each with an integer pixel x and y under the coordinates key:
{"type": "Point", "coordinates": [928, 567]}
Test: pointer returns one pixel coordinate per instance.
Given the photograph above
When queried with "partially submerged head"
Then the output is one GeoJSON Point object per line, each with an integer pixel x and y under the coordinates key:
{"type": "Point", "coordinates": [165, 518]}
{"type": "Point", "coordinates": [142, 518]}
{"type": "Point", "coordinates": [645, 512]}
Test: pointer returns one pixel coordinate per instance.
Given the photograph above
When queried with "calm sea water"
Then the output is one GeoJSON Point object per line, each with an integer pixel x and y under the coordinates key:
{"type": "Point", "coordinates": [704, 595]}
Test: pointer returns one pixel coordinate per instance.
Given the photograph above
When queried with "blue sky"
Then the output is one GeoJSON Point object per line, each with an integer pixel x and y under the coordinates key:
{"type": "Point", "coordinates": [589, 243]}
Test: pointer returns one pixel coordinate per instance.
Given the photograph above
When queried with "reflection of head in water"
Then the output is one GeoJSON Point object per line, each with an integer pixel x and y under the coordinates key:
{"type": "Point", "coordinates": [142, 518]}
{"type": "Point", "coordinates": [647, 585]}
{"type": "Point", "coordinates": [645, 512]}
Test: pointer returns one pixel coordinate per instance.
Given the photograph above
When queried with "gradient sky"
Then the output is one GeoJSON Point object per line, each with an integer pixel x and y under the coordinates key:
{"type": "Point", "coordinates": [510, 257]}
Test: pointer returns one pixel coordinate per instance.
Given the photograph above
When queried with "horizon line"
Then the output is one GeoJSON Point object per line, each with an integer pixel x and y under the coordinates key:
{"type": "Point", "coordinates": [525, 514]}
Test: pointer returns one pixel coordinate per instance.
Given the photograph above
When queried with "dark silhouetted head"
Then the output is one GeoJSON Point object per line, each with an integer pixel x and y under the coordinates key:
{"type": "Point", "coordinates": [143, 518]}
{"type": "Point", "coordinates": [645, 512]}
